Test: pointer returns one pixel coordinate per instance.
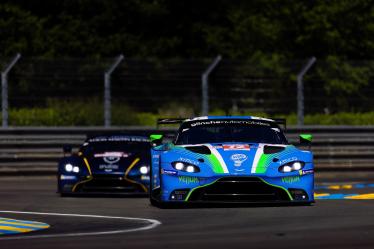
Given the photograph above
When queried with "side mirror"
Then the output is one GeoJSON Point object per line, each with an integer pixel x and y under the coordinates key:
{"type": "Point", "coordinates": [67, 149]}
{"type": "Point", "coordinates": [306, 139]}
{"type": "Point", "coordinates": [156, 139]}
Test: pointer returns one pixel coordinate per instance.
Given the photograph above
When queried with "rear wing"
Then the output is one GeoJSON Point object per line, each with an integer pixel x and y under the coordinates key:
{"type": "Point", "coordinates": [170, 120]}
{"type": "Point", "coordinates": [161, 121]}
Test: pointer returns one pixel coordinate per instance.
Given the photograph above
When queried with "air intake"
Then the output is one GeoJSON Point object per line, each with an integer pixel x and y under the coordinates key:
{"type": "Point", "coordinates": [273, 149]}
{"type": "Point", "coordinates": [199, 149]}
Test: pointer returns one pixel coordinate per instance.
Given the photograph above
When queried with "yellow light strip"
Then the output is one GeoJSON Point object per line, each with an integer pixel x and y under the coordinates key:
{"type": "Point", "coordinates": [87, 165]}
{"type": "Point", "coordinates": [128, 171]}
{"type": "Point", "coordinates": [89, 177]}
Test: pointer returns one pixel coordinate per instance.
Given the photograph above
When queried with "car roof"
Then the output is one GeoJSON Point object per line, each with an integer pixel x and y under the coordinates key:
{"type": "Point", "coordinates": [117, 138]}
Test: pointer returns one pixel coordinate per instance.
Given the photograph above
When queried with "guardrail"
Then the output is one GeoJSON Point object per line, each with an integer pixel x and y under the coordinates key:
{"type": "Point", "coordinates": [35, 151]}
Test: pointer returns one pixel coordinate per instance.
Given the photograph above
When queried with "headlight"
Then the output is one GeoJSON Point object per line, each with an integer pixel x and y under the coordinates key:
{"type": "Point", "coordinates": [70, 168]}
{"type": "Point", "coordinates": [292, 166]}
{"type": "Point", "coordinates": [187, 167]}
{"type": "Point", "coordinates": [143, 170]}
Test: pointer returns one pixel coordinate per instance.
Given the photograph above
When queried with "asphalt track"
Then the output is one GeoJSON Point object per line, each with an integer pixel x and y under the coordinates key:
{"type": "Point", "coordinates": [103, 222]}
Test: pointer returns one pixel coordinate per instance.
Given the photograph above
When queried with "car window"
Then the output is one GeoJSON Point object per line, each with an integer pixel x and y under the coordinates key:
{"type": "Point", "coordinates": [221, 133]}
{"type": "Point", "coordinates": [128, 147]}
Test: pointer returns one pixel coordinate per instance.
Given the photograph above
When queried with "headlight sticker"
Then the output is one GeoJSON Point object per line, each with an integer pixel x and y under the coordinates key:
{"type": "Point", "coordinates": [169, 172]}
{"type": "Point", "coordinates": [306, 172]}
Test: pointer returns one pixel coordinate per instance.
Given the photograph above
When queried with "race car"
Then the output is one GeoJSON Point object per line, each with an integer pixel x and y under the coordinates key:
{"type": "Point", "coordinates": [106, 164]}
{"type": "Point", "coordinates": [230, 159]}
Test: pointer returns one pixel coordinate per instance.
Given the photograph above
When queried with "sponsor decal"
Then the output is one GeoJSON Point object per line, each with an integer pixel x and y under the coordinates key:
{"type": "Point", "coordinates": [238, 159]}
{"type": "Point", "coordinates": [291, 179]}
{"type": "Point", "coordinates": [145, 178]}
{"type": "Point", "coordinates": [236, 147]}
{"type": "Point", "coordinates": [108, 167]}
{"type": "Point", "coordinates": [119, 139]}
{"type": "Point", "coordinates": [291, 159]}
{"type": "Point", "coordinates": [306, 172]}
{"type": "Point", "coordinates": [188, 179]}
{"type": "Point", "coordinates": [186, 160]}
{"type": "Point", "coordinates": [65, 177]}
{"type": "Point", "coordinates": [228, 122]}
{"type": "Point", "coordinates": [111, 159]}
{"type": "Point", "coordinates": [169, 172]}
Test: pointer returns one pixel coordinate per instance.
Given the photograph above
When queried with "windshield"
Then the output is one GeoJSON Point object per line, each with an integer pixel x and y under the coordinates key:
{"type": "Point", "coordinates": [115, 146]}
{"type": "Point", "coordinates": [230, 131]}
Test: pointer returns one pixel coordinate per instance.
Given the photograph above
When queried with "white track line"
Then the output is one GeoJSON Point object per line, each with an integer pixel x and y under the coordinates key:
{"type": "Point", "coordinates": [153, 224]}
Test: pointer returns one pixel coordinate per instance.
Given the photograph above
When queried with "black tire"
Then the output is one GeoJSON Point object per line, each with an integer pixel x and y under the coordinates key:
{"type": "Point", "coordinates": [154, 202]}
{"type": "Point", "coordinates": [154, 199]}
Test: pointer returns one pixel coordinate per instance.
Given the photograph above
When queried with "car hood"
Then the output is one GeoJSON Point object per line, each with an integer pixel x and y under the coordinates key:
{"type": "Point", "coordinates": [113, 162]}
{"type": "Point", "coordinates": [237, 158]}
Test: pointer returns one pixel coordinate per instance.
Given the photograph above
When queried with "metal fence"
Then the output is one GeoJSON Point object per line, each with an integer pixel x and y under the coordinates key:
{"type": "Point", "coordinates": [189, 86]}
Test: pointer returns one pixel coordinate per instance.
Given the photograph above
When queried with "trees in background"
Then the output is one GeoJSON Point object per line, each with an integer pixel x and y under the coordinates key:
{"type": "Point", "coordinates": [263, 32]}
{"type": "Point", "coordinates": [188, 28]}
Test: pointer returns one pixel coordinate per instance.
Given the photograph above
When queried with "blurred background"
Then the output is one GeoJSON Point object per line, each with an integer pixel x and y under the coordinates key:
{"type": "Point", "coordinates": [55, 54]}
{"type": "Point", "coordinates": [74, 67]}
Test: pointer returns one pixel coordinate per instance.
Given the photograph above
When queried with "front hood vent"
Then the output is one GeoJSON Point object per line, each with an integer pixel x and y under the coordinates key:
{"type": "Point", "coordinates": [201, 149]}
{"type": "Point", "coordinates": [268, 149]}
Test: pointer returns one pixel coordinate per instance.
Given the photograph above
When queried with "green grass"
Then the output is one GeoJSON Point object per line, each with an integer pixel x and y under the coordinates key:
{"type": "Point", "coordinates": [80, 113]}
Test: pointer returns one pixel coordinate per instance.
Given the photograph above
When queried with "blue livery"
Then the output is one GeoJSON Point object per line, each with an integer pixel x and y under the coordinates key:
{"type": "Point", "coordinates": [230, 159]}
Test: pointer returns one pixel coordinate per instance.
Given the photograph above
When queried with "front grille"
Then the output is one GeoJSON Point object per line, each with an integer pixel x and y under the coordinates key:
{"type": "Point", "coordinates": [109, 183]}
{"type": "Point", "coordinates": [239, 189]}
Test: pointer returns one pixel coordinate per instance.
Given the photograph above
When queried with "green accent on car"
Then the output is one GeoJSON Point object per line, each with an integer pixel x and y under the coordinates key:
{"type": "Point", "coordinates": [267, 159]}
{"type": "Point", "coordinates": [155, 137]}
{"type": "Point", "coordinates": [307, 137]}
{"type": "Point", "coordinates": [217, 167]}
{"type": "Point", "coordinates": [189, 194]}
{"type": "Point", "coordinates": [188, 179]}
{"type": "Point", "coordinates": [202, 186]}
{"type": "Point", "coordinates": [290, 179]}
{"type": "Point", "coordinates": [288, 193]}
{"type": "Point", "coordinates": [263, 163]}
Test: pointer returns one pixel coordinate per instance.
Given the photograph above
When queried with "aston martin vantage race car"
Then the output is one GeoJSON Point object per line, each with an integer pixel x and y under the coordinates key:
{"type": "Point", "coordinates": [230, 159]}
{"type": "Point", "coordinates": [106, 164]}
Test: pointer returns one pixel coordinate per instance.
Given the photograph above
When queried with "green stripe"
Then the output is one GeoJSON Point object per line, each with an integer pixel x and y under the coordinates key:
{"type": "Point", "coordinates": [189, 194]}
{"type": "Point", "coordinates": [288, 193]}
{"type": "Point", "coordinates": [217, 167]}
{"type": "Point", "coordinates": [261, 164]}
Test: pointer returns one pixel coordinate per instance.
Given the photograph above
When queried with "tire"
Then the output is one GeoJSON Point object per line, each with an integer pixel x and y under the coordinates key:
{"type": "Point", "coordinates": [153, 198]}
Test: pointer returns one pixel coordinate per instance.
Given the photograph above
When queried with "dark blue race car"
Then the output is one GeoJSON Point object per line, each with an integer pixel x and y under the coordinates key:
{"type": "Point", "coordinates": [230, 159]}
{"type": "Point", "coordinates": [106, 164]}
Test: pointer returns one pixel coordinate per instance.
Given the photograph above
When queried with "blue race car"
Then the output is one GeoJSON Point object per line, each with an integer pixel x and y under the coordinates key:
{"type": "Point", "coordinates": [230, 159]}
{"type": "Point", "coordinates": [106, 164]}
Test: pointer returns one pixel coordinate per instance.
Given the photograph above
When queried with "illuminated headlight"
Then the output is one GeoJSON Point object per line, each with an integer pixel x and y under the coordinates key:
{"type": "Point", "coordinates": [290, 167]}
{"type": "Point", "coordinates": [179, 166]}
{"type": "Point", "coordinates": [69, 167]}
{"type": "Point", "coordinates": [143, 170]}
{"type": "Point", "coordinates": [187, 167]}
